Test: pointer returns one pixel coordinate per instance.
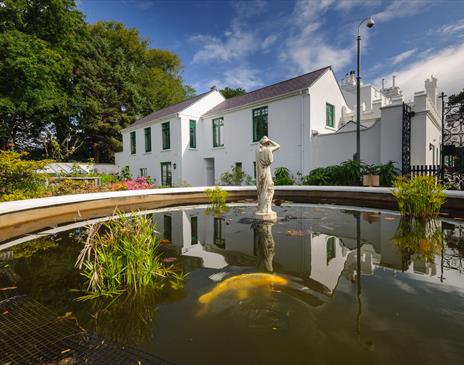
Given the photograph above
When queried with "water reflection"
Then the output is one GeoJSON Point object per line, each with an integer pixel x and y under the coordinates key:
{"type": "Point", "coordinates": [264, 245]}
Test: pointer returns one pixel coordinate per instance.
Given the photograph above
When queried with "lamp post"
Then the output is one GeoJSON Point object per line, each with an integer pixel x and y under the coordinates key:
{"type": "Point", "coordinates": [369, 23]}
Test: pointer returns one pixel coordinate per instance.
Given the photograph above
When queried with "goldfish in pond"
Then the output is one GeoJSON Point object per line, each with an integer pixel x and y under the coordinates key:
{"type": "Point", "coordinates": [241, 285]}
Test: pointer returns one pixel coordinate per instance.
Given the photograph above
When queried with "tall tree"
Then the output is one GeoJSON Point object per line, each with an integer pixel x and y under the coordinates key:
{"type": "Point", "coordinates": [120, 80]}
{"type": "Point", "coordinates": [69, 87]}
{"type": "Point", "coordinates": [229, 92]}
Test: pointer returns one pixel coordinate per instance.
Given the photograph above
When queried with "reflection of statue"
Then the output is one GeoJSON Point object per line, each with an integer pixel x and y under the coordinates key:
{"type": "Point", "coordinates": [265, 245]}
{"type": "Point", "coordinates": [264, 183]}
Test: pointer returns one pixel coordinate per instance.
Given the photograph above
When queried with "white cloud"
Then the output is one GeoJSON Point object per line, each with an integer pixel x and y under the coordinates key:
{"type": "Point", "coordinates": [400, 8]}
{"type": "Point", "coordinates": [307, 49]}
{"type": "Point", "coordinates": [236, 45]}
{"type": "Point", "coordinates": [350, 4]}
{"type": "Point", "coordinates": [243, 77]}
{"type": "Point", "coordinates": [402, 56]}
{"type": "Point", "coordinates": [268, 41]}
{"type": "Point", "coordinates": [446, 65]}
{"type": "Point", "coordinates": [249, 8]}
{"type": "Point", "coordinates": [452, 28]}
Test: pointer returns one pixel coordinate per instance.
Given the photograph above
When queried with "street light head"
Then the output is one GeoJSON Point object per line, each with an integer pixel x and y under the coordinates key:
{"type": "Point", "coordinates": [370, 22]}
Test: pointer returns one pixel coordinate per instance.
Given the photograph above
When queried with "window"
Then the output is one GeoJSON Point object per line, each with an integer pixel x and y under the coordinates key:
{"type": "Point", "coordinates": [167, 232]}
{"type": "Point", "coordinates": [166, 136]}
{"type": "Point", "coordinates": [217, 132]}
{"type": "Point", "coordinates": [329, 115]}
{"type": "Point", "coordinates": [147, 132]}
{"type": "Point", "coordinates": [194, 229]}
{"type": "Point", "coordinates": [330, 249]}
{"type": "Point", "coordinates": [193, 134]}
{"type": "Point", "coordinates": [238, 165]}
{"type": "Point", "coordinates": [133, 146]}
{"type": "Point", "coordinates": [219, 233]}
{"type": "Point", "coordinates": [143, 172]}
{"type": "Point", "coordinates": [166, 175]}
{"type": "Point", "coordinates": [259, 123]}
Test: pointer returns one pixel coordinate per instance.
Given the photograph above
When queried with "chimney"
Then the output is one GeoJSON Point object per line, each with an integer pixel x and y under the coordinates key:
{"type": "Point", "coordinates": [383, 84]}
{"type": "Point", "coordinates": [431, 89]}
{"type": "Point", "coordinates": [393, 81]}
{"type": "Point", "coordinates": [213, 88]}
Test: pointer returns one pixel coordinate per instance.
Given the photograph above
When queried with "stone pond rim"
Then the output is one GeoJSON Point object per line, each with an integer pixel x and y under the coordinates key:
{"type": "Point", "coordinates": [26, 216]}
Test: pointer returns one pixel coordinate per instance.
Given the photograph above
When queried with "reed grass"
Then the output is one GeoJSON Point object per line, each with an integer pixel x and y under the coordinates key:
{"type": "Point", "coordinates": [217, 200]}
{"type": "Point", "coordinates": [123, 255]}
{"type": "Point", "coordinates": [420, 197]}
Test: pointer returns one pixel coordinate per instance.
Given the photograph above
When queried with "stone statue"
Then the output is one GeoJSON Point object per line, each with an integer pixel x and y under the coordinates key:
{"type": "Point", "coordinates": [264, 182]}
{"type": "Point", "coordinates": [265, 245]}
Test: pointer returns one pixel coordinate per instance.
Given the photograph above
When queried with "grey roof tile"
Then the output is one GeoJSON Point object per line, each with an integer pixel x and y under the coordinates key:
{"type": "Point", "coordinates": [281, 88]}
{"type": "Point", "coordinates": [176, 108]}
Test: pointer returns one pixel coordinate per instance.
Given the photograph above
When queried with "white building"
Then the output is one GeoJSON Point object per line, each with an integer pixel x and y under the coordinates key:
{"type": "Point", "coordinates": [196, 141]}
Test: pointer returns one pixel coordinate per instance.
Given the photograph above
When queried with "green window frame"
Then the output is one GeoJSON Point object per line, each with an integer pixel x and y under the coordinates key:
{"type": "Point", "coordinates": [260, 123]}
{"type": "Point", "coordinates": [166, 174]}
{"type": "Point", "coordinates": [193, 133]}
{"type": "Point", "coordinates": [166, 135]}
{"type": "Point", "coordinates": [219, 239]}
{"type": "Point", "coordinates": [330, 247]}
{"type": "Point", "coordinates": [218, 125]}
{"type": "Point", "coordinates": [147, 133]}
{"type": "Point", "coordinates": [194, 229]}
{"type": "Point", "coordinates": [133, 143]}
{"type": "Point", "coordinates": [329, 115]}
{"type": "Point", "coordinates": [167, 225]}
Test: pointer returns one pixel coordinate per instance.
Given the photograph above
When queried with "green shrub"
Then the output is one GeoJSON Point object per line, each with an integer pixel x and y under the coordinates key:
{"type": "Point", "coordinates": [319, 176]}
{"type": "Point", "coordinates": [419, 197]}
{"type": "Point", "coordinates": [125, 173]}
{"type": "Point", "coordinates": [217, 199]}
{"type": "Point", "coordinates": [387, 173]}
{"type": "Point", "coordinates": [283, 177]}
{"type": "Point", "coordinates": [236, 176]}
{"type": "Point", "coordinates": [347, 173]}
{"type": "Point", "coordinates": [108, 178]}
{"type": "Point", "coordinates": [122, 255]}
{"type": "Point", "coordinates": [19, 178]}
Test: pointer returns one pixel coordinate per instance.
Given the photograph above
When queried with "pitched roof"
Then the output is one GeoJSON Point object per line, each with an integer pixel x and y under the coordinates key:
{"type": "Point", "coordinates": [281, 88]}
{"type": "Point", "coordinates": [176, 108]}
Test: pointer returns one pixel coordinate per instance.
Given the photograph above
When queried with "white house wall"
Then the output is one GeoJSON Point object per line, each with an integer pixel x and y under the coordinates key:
{"type": "Point", "coordinates": [284, 125]}
{"type": "Point", "coordinates": [151, 160]}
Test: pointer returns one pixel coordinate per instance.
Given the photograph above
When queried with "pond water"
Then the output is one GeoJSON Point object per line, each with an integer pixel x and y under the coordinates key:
{"type": "Point", "coordinates": [323, 285]}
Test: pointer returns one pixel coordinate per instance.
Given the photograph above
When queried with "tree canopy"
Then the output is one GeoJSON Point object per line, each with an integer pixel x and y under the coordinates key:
{"type": "Point", "coordinates": [229, 92]}
{"type": "Point", "coordinates": [67, 88]}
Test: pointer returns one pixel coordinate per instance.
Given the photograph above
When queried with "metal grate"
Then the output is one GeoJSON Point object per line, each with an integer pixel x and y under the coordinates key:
{"type": "Point", "coordinates": [32, 334]}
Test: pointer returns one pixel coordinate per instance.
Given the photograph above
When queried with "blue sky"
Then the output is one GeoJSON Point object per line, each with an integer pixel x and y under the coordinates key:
{"type": "Point", "coordinates": [254, 43]}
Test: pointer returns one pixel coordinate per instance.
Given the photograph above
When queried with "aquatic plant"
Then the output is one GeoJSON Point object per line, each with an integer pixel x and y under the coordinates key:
{"type": "Point", "coordinates": [420, 197]}
{"type": "Point", "coordinates": [123, 255]}
{"type": "Point", "coordinates": [422, 239]}
{"type": "Point", "coordinates": [217, 200]}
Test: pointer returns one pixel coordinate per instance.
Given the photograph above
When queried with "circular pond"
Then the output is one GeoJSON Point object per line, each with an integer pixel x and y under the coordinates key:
{"type": "Point", "coordinates": [322, 285]}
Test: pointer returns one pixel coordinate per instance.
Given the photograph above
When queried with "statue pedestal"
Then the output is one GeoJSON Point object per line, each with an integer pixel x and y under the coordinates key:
{"type": "Point", "coordinates": [267, 217]}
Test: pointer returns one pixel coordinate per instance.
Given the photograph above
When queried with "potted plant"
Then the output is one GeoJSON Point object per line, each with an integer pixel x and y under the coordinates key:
{"type": "Point", "coordinates": [371, 178]}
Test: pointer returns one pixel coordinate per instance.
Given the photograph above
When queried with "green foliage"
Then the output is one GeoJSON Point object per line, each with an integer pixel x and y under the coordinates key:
{"type": "Point", "coordinates": [350, 173]}
{"type": "Point", "coordinates": [283, 177]}
{"type": "Point", "coordinates": [229, 92]}
{"type": "Point", "coordinates": [347, 173]}
{"type": "Point", "coordinates": [125, 173]}
{"type": "Point", "coordinates": [387, 173]}
{"type": "Point", "coordinates": [67, 88]}
{"type": "Point", "coordinates": [235, 177]}
{"type": "Point", "coordinates": [19, 178]}
{"type": "Point", "coordinates": [419, 238]}
{"type": "Point", "coordinates": [420, 197]}
{"type": "Point", "coordinates": [217, 200]}
{"type": "Point", "coordinates": [122, 255]}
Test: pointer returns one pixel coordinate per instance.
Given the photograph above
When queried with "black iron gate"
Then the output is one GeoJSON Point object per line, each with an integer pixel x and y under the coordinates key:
{"type": "Point", "coordinates": [406, 140]}
{"type": "Point", "coordinates": [452, 152]}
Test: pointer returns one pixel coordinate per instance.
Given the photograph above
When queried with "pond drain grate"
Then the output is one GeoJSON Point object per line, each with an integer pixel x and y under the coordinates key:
{"type": "Point", "coordinates": [32, 334]}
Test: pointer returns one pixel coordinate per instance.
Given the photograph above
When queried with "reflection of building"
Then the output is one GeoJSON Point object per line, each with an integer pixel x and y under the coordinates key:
{"type": "Point", "coordinates": [317, 246]}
